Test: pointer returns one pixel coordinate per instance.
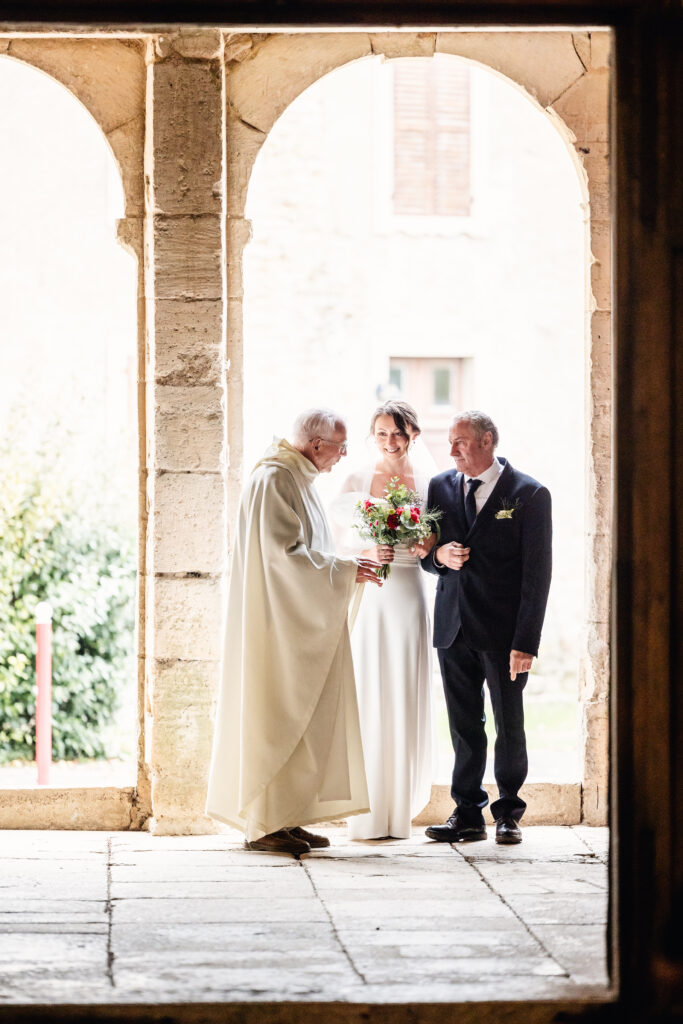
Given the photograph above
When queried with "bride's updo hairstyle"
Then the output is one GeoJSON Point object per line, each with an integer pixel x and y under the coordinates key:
{"type": "Point", "coordinates": [402, 413]}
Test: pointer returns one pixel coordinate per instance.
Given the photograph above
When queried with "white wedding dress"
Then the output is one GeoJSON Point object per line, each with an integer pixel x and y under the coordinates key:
{"type": "Point", "coordinates": [391, 645]}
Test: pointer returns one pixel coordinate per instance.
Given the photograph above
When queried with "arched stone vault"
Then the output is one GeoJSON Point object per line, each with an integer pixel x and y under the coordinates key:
{"type": "Point", "coordinates": [108, 76]}
{"type": "Point", "coordinates": [186, 114]}
{"type": "Point", "coordinates": [567, 76]}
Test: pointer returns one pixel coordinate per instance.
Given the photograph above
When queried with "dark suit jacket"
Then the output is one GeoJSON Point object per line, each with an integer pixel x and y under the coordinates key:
{"type": "Point", "coordinates": [499, 596]}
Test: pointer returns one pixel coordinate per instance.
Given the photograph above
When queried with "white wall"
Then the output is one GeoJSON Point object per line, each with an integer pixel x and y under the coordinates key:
{"type": "Point", "coordinates": [334, 286]}
{"type": "Point", "coordinates": [68, 363]}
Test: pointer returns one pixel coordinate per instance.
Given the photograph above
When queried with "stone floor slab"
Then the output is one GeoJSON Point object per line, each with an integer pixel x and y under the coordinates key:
{"type": "Point", "coordinates": [27, 844]}
{"type": "Point", "coordinates": [414, 911]}
{"type": "Point", "coordinates": [539, 843]}
{"type": "Point", "coordinates": [208, 982]}
{"type": "Point", "coordinates": [145, 841]}
{"type": "Point", "coordinates": [28, 948]}
{"type": "Point", "coordinates": [560, 909]}
{"type": "Point", "coordinates": [46, 910]}
{"type": "Point", "coordinates": [180, 869]}
{"type": "Point", "coordinates": [174, 940]}
{"type": "Point", "coordinates": [293, 886]}
{"type": "Point", "coordinates": [79, 887]}
{"type": "Point", "coordinates": [595, 839]}
{"type": "Point", "coordinates": [574, 947]}
{"type": "Point", "coordinates": [128, 917]}
{"type": "Point", "coordinates": [546, 878]}
{"type": "Point", "coordinates": [495, 934]}
{"type": "Point", "coordinates": [201, 858]}
{"type": "Point", "coordinates": [144, 911]}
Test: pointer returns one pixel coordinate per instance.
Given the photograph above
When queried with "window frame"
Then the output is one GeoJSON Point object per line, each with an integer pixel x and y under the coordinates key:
{"type": "Point", "coordinates": [385, 220]}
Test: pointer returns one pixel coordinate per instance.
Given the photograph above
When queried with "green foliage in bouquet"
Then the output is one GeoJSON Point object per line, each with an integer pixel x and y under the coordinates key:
{"type": "Point", "coordinates": [49, 552]}
{"type": "Point", "coordinates": [396, 519]}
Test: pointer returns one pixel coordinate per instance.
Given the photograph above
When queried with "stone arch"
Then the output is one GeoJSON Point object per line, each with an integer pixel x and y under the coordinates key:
{"type": "Point", "coordinates": [108, 78]}
{"type": "Point", "coordinates": [565, 74]}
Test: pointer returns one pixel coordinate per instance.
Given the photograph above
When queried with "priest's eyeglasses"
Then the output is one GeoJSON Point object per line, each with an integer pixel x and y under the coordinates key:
{"type": "Point", "coordinates": [341, 445]}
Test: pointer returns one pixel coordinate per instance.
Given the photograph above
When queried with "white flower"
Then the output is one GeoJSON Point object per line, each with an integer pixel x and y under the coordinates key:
{"type": "Point", "coordinates": [506, 510]}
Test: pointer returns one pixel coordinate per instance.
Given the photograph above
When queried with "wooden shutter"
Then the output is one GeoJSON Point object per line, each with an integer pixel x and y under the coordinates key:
{"type": "Point", "coordinates": [431, 137]}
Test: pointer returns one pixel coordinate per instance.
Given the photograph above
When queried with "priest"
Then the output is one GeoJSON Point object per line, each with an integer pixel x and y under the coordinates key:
{"type": "Point", "coordinates": [287, 747]}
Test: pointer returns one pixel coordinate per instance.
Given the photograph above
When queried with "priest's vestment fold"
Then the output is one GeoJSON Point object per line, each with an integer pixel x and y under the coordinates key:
{"type": "Point", "coordinates": [287, 746]}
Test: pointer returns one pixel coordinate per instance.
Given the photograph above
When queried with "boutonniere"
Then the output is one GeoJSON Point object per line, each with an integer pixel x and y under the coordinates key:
{"type": "Point", "coordinates": [507, 509]}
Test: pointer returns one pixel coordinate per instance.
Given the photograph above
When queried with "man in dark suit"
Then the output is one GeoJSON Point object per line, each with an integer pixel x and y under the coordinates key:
{"type": "Point", "coordinates": [493, 560]}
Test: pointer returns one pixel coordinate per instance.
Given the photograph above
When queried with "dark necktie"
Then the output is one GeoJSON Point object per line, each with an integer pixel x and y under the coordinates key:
{"type": "Point", "coordinates": [471, 502]}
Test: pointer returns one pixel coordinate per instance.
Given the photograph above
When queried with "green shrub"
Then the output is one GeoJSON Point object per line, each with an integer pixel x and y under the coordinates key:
{"type": "Point", "coordinates": [50, 551]}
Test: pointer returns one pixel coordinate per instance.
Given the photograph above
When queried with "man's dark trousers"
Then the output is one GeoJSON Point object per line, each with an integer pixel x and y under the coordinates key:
{"type": "Point", "coordinates": [463, 671]}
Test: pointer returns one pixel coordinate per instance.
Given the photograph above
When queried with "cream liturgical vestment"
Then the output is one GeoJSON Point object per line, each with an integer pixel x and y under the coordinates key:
{"type": "Point", "coordinates": [287, 747]}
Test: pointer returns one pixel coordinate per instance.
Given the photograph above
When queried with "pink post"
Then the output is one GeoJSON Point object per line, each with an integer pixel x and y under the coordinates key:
{"type": "Point", "coordinates": [44, 694]}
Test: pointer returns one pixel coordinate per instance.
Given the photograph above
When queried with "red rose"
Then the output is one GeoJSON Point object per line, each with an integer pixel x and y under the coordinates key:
{"type": "Point", "coordinates": [399, 510]}
{"type": "Point", "coordinates": [392, 521]}
{"type": "Point", "coordinates": [415, 513]}
{"type": "Point", "coordinates": [367, 505]}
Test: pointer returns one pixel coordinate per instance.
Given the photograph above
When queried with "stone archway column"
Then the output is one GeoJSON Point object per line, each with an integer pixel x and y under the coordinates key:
{"type": "Point", "coordinates": [584, 109]}
{"type": "Point", "coordinates": [185, 298]}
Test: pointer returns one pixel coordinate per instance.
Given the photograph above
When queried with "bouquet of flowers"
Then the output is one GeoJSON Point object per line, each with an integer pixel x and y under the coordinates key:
{"type": "Point", "coordinates": [395, 519]}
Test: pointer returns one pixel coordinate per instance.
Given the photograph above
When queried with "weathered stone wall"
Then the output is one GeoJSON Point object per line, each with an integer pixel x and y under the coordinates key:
{"type": "Point", "coordinates": [171, 108]}
{"type": "Point", "coordinates": [185, 288]}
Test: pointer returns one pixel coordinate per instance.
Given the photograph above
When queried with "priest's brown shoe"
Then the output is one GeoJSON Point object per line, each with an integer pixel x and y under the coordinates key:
{"type": "Point", "coordinates": [314, 841]}
{"type": "Point", "coordinates": [279, 842]}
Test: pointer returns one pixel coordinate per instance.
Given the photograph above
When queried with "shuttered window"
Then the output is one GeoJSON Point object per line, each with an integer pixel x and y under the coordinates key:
{"type": "Point", "coordinates": [432, 137]}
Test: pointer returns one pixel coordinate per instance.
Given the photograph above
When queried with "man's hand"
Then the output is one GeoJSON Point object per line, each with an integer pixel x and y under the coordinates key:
{"type": "Point", "coordinates": [423, 547]}
{"type": "Point", "coordinates": [519, 662]}
{"type": "Point", "coordinates": [452, 555]}
{"type": "Point", "coordinates": [366, 572]}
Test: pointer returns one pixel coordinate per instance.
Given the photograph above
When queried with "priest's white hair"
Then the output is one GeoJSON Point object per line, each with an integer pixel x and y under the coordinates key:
{"type": "Point", "coordinates": [316, 423]}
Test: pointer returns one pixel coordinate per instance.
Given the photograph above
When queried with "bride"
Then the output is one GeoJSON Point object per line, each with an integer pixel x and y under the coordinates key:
{"type": "Point", "coordinates": [391, 644]}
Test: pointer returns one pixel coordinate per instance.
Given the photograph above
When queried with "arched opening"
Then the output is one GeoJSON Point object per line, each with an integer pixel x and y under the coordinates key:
{"type": "Point", "coordinates": [68, 408]}
{"type": "Point", "coordinates": [364, 277]}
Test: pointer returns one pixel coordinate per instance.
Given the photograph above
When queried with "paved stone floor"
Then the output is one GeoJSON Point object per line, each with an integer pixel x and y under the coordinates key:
{"type": "Point", "coordinates": [127, 917]}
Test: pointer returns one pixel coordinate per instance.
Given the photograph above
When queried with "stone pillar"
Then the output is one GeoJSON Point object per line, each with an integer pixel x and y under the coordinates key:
{"type": "Point", "coordinates": [185, 297]}
{"type": "Point", "coordinates": [584, 108]}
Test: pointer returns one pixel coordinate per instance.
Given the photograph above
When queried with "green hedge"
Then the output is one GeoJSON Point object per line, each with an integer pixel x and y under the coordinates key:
{"type": "Point", "coordinates": [86, 570]}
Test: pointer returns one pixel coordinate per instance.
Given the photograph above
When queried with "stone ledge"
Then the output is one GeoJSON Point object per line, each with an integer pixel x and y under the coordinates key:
{"type": "Point", "coordinates": [96, 809]}
{"type": "Point", "coordinates": [548, 803]}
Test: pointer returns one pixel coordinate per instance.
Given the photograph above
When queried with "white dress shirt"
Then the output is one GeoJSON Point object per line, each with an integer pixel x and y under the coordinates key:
{"type": "Point", "coordinates": [489, 479]}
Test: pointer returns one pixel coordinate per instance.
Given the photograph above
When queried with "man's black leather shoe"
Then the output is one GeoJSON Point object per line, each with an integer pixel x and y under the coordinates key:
{"type": "Point", "coordinates": [456, 831]}
{"type": "Point", "coordinates": [508, 831]}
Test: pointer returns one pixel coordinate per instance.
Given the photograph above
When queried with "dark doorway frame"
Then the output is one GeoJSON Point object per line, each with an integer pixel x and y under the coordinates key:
{"type": "Point", "coordinates": [647, 707]}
